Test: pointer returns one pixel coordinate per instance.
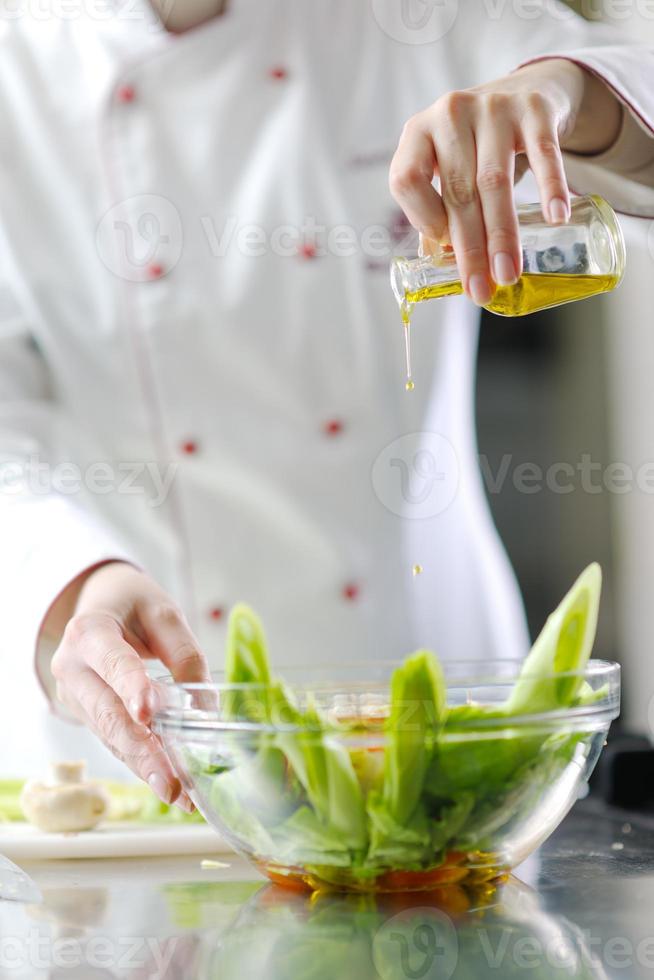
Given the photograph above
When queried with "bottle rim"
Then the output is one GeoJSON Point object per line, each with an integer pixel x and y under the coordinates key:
{"type": "Point", "coordinates": [610, 219]}
{"type": "Point", "coordinates": [398, 274]}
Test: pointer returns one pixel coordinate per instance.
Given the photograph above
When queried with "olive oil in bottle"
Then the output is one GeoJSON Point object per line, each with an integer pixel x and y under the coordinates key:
{"type": "Point", "coordinates": [533, 291]}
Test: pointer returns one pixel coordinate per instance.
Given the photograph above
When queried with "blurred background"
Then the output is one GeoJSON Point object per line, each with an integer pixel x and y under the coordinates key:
{"type": "Point", "coordinates": [575, 386]}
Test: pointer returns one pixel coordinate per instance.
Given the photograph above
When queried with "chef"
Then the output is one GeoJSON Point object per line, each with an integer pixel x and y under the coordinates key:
{"type": "Point", "coordinates": [201, 360]}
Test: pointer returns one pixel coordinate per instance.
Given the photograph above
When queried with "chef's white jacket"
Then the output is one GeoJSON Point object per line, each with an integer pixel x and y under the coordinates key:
{"type": "Point", "coordinates": [195, 234]}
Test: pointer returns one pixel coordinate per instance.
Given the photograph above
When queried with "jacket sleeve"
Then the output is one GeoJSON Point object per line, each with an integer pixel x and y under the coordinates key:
{"type": "Point", "coordinates": [49, 539]}
{"type": "Point", "coordinates": [623, 174]}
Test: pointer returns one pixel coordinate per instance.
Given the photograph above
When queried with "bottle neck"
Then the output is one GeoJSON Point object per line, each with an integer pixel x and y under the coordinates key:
{"type": "Point", "coordinates": [411, 276]}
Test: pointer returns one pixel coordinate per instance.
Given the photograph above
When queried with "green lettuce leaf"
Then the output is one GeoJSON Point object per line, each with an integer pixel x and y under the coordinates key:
{"type": "Point", "coordinates": [417, 713]}
{"type": "Point", "coordinates": [246, 662]}
{"type": "Point", "coordinates": [480, 761]}
{"type": "Point", "coordinates": [303, 839]}
{"type": "Point", "coordinates": [400, 830]}
{"type": "Point", "coordinates": [394, 843]}
{"type": "Point", "coordinates": [319, 762]}
{"type": "Point", "coordinates": [231, 805]}
{"type": "Point", "coordinates": [10, 808]}
{"type": "Point", "coordinates": [564, 644]}
{"type": "Point", "coordinates": [323, 766]}
{"type": "Point", "coordinates": [247, 657]}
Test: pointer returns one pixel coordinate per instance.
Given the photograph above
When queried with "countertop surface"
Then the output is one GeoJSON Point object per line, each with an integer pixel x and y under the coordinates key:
{"type": "Point", "coordinates": [583, 907]}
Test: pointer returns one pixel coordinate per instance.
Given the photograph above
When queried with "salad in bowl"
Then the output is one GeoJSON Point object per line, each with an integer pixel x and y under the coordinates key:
{"type": "Point", "coordinates": [394, 777]}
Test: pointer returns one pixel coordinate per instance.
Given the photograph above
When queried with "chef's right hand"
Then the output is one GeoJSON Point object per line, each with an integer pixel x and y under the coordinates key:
{"type": "Point", "coordinates": [123, 618]}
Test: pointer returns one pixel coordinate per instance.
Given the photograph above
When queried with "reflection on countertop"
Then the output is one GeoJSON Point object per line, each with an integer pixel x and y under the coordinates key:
{"type": "Point", "coordinates": [586, 914]}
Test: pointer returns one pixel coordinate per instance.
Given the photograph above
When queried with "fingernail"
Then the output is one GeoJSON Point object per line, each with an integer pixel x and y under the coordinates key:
{"type": "Point", "coordinates": [504, 272]}
{"type": "Point", "coordinates": [152, 700]}
{"type": "Point", "coordinates": [479, 289]}
{"type": "Point", "coordinates": [143, 706]}
{"type": "Point", "coordinates": [185, 803]}
{"type": "Point", "coordinates": [160, 787]}
{"type": "Point", "coordinates": [428, 246]}
{"type": "Point", "coordinates": [558, 211]}
{"type": "Point", "coordinates": [137, 709]}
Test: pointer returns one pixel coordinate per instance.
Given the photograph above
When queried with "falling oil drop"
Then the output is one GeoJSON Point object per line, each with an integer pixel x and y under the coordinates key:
{"type": "Point", "coordinates": [417, 570]}
{"type": "Point", "coordinates": [405, 310]}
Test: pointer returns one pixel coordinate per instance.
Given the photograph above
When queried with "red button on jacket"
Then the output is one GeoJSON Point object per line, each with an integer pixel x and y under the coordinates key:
{"type": "Point", "coordinates": [126, 93]}
{"type": "Point", "coordinates": [333, 427]}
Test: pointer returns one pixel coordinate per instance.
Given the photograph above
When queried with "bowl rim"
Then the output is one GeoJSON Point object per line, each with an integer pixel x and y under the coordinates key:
{"type": "Point", "coordinates": [608, 707]}
{"type": "Point", "coordinates": [595, 666]}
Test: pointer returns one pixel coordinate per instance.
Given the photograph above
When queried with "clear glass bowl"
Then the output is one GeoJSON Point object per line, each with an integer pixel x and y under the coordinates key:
{"type": "Point", "coordinates": [493, 788]}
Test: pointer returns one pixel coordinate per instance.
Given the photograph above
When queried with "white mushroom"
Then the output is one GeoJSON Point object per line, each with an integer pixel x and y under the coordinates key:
{"type": "Point", "coordinates": [67, 802]}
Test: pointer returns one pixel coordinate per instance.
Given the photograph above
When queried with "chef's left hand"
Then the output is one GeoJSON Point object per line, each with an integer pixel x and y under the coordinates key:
{"type": "Point", "coordinates": [478, 141]}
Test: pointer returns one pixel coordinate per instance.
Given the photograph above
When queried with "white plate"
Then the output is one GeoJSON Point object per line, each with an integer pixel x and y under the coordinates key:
{"type": "Point", "coordinates": [22, 842]}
